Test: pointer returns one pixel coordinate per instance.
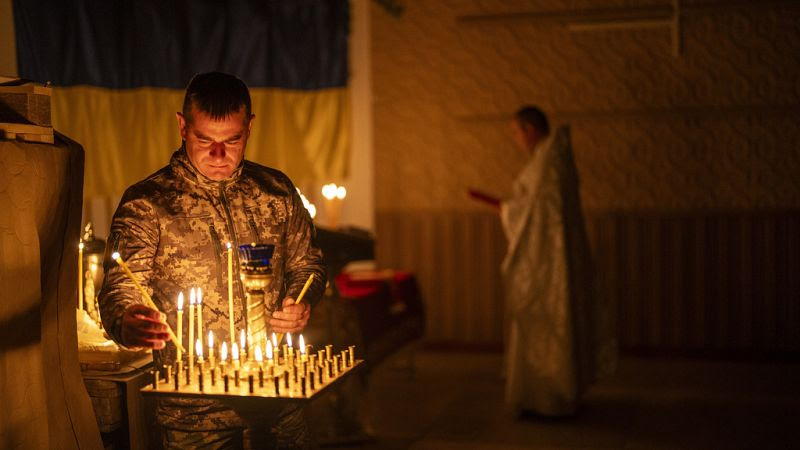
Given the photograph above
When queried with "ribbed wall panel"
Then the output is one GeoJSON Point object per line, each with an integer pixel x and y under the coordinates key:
{"type": "Point", "coordinates": [725, 283]}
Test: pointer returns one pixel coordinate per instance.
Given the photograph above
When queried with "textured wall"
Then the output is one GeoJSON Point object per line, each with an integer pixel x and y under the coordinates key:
{"type": "Point", "coordinates": [709, 133]}
{"type": "Point", "coordinates": [714, 127]}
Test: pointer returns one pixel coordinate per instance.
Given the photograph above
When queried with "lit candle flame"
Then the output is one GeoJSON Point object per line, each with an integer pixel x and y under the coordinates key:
{"type": "Point", "coordinates": [302, 345]}
{"type": "Point", "coordinates": [269, 350]}
{"type": "Point", "coordinates": [274, 340]}
{"type": "Point", "coordinates": [228, 245]}
{"type": "Point", "coordinates": [329, 191]}
{"type": "Point", "coordinates": [115, 255]}
{"type": "Point", "coordinates": [198, 346]}
{"type": "Point", "coordinates": [259, 356]}
{"type": "Point", "coordinates": [180, 301]}
{"type": "Point", "coordinates": [80, 247]}
{"type": "Point", "coordinates": [341, 192]}
{"type": "Point", "coordinates": [210, 339]}
{"type": "Point", "coordinates": [242, 340]}
{"type": "Point", "coordinates": [289, 339]}
{"type": "Point", "coordinates": [224, 351]}
{"type": "Point", "coordinates": [235, 352]}
{"type": "Point", "coordinates": [199, 296]}
{"type": "Point", "coordinates": [192, 297]}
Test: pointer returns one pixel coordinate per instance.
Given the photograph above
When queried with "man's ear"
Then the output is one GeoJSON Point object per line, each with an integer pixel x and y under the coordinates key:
{"type": "Point", "coordinates": [181, 124]}
{"type": "Point", "coordinates": [250, 123]}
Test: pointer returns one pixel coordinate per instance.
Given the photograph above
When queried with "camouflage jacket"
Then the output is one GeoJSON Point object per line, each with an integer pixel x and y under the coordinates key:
{"type": "Point", "coordinates": [172, 229]}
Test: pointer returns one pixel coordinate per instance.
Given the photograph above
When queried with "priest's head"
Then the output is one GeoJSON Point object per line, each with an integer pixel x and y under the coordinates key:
{"type": "Point", "coordinates": [530, 127]}
{"type": "Point", "coordinates": [215, 123]}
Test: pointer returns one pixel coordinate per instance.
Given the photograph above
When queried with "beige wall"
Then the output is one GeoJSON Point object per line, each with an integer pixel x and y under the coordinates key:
{"type": "Point", "coordinates": [8, 49]}
{"type": "Point", "coordinates": [714, 128]}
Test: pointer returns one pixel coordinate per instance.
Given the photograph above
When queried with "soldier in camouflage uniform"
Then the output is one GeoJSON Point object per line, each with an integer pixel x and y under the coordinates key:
{"type": "Point", "coordinates": [172, 229]}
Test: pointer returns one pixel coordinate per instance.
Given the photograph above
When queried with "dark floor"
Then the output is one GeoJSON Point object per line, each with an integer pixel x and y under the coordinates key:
{"type": "Point", "coordinates": [454, 400]}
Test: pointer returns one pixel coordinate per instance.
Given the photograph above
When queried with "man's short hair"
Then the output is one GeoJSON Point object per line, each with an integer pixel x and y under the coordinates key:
{"type": "Point", "coordinates": [534, 117]}
{"type": "Point", "coordinates": [217, 94]}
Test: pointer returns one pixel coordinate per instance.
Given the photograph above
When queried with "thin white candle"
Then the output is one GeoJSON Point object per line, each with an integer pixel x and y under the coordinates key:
{"type": "Point", "coordinates": [232, 335]}
{"type": "Point", "coordinates": [200, 315]}
{"type": "Point", "coordinates": [116, 257]}
{"type": "Point", "coordinates": [198, 345]}
{"type": "Point", "coordinates": [210, 345]}
{"type": "Point", "coordinates": [180, 324]}
{"type": "Point", "coordinates": [259, 356]}
{"type": "Point", "coordinates": [192, 300]}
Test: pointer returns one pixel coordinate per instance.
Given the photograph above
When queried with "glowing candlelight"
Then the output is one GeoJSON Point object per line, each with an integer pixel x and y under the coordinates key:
{"type": "Point", "coordinates": [302, 345]}
{"type": "Point", "coordinates": [259, 356]}
{"type": "Point", "coordinates": [223, 355]}
{"type": "Point", "coordinates": [274, 340]}
{"type": "Point", "coordinates": [80, 274]}
{"type": "Point", "coordinates": [235, 354]}
{"type": "Point", "coordinates": [232, 335]}
{"type": "Point", "coordinates": [180, 322]}
{"type": "Point", "coordinates": [115, 256]}
{"type": "Point", "coordinates": [198, 345]}
{"type": "Point", "coordinates": [269, 352]}
{"type": "Point", "coordinates": [289, 339]}
{"type": "Point", "coordinates": [250, 342]}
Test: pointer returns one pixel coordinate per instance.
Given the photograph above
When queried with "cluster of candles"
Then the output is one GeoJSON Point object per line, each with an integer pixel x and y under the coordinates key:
{"type": "Point", "coordinates": [302, 373]}
{"type": "Point", "coordinates": [288, 373]}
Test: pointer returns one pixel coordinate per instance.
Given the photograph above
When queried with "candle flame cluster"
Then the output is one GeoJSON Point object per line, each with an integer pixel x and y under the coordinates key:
{"type": "Point", "coordinates": [312, 210]}
{"type": "Point", "coordinates": [287, 373]}
{"type": "Point", "coordinates": [331, 191]}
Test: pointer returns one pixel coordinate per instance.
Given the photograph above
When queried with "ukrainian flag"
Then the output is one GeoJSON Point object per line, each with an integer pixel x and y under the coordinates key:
{"type": "Point", "coordinates": [119, 69]}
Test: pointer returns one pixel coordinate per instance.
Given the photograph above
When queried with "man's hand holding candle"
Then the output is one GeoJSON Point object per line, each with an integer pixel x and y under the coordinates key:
{"type": "Point", "coordinates": [144, 327]}
{"type": "Point", "coordinates": [292, 317]}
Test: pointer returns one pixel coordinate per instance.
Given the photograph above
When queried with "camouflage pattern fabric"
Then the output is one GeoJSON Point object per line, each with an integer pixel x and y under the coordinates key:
{"type": "Point", "coordinates": [171, 229]}
{"type": "Point", "coordinates": [289, 430]}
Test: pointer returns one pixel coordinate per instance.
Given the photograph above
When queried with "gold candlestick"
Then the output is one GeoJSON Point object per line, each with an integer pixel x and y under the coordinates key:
{"type": "Point", "coordinates": [115, 256]}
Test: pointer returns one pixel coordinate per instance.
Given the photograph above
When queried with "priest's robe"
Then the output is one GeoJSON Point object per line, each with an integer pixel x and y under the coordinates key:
{"type": "Point", "coordinates": [559, 336]}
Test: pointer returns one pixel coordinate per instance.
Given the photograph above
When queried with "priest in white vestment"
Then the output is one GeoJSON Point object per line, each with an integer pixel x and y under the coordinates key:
{"type": "Point", "coordinates": [559, 336]}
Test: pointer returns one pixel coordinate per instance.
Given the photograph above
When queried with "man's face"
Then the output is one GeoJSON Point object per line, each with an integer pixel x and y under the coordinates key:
{"type": "Point", "coordinates": [215, 147]}
{"type": "Point", "coordinates": [525, 136]}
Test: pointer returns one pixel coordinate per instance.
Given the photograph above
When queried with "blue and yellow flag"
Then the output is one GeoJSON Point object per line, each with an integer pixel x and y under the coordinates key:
{"type": "Point", "coordinates": [119, 69]}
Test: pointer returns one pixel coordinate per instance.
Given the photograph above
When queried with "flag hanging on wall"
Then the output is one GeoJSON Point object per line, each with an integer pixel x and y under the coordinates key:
{"type": "Point", "coordinates": [119, 69]}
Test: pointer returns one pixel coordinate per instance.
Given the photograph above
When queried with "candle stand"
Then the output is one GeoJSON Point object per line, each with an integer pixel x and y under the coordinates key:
{"type": "Point", "coordinates": [286, 380]}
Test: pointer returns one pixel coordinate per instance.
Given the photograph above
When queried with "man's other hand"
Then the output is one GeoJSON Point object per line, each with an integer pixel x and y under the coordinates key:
{"type": "Point", "coordinates": [144, 327]}
{"type": "Point", "coordinates": [292, 318]}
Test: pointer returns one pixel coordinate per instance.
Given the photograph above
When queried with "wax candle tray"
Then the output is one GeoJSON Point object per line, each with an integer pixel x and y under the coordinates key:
{"type": "Point", "coordinates": [271, 384]}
